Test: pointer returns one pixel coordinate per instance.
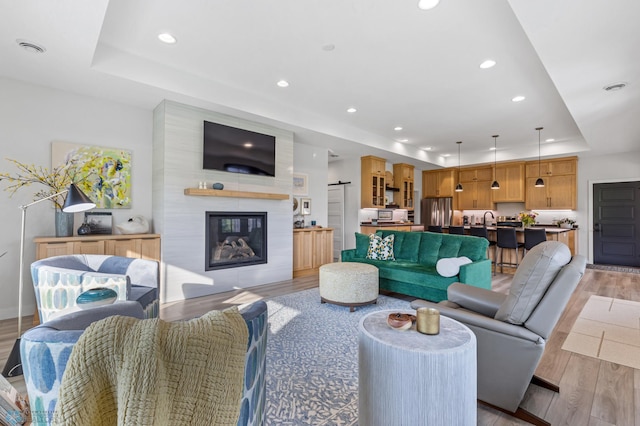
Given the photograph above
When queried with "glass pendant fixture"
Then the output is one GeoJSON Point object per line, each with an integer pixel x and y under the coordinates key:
{"type": "Point", "coordinates": [459, 185]}
{"type": "Point", "coordinates": [539, 181]}
{"type": "Point", "coordinates": [495, 184]}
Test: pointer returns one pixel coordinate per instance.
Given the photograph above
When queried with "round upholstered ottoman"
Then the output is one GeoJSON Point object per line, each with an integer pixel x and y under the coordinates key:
{"type": "Point", "coordinates": [349, 284]}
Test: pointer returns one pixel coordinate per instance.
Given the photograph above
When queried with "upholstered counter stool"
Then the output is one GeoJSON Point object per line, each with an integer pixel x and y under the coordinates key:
{"type": "Point", "coordinates": [349, 284]}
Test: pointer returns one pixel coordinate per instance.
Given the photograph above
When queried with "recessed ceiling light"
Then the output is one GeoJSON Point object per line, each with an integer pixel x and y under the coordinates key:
{"type": "Point", "coordinates": [615, 86]}
{"type": "Point", "coordinates": [427, 4]}
{"type": "Point", "coordinates": [30, 46]}
{"type": "Point", "coordinates": [351, 110]}
{"type": "Point", "coordinates": [328, 47]}
{"type": "Point", "coordinates": [518, 98]}
{"type": "Point", "coordinates": [283, 83]}
{"type": "Point", "coordinates": [446, 155]}
{"type": "Point", "coordinates": [167, 38]}
{"type": "Point", "coordinates": [492, 148]}
{"type": "Point", "coordinates": [427, 148]}
{"type": "Point", "coordinates": [550, 140]}
{"type": "Point", "coordinates": [397, 128]}
{"type": "Point", "coordinates": [402, 140]}
{"type": "Point", "coordinates": [247, 144]}
{"type": "Point", "coordinates": [487, 64]}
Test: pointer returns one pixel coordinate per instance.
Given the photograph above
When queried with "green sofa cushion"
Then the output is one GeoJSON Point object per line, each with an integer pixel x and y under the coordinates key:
{"type": "Point", "coordinates": [406, 245]}
{"type": "Point", "coordinates": [429, 248]}
{"type": "Point", "coordinates": [362, 244]}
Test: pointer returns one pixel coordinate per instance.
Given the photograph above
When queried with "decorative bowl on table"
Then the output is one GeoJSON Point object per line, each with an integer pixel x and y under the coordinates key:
{"type": "Point", "coordinates": [400, 321]}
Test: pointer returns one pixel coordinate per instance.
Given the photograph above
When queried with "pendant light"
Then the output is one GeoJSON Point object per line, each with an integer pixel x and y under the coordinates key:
{"type": "Point", "coordinates": [495, 184]}
{"type": "Point", "coordinates": [459, 185]}
{"type": "Point", "coordinates": [539, 181]}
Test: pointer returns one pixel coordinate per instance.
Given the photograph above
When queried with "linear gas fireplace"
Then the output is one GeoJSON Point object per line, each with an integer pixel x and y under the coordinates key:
{"type": "Point", "coordinates": [235, 239]}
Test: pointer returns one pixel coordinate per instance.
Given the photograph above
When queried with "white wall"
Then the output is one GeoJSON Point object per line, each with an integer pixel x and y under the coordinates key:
{"type": "Point", "coordinates": [312, 161]}
{"type": "Point", "coordinates": [177, 142]}
{"type": "Point", "coordinates": [31, 117]}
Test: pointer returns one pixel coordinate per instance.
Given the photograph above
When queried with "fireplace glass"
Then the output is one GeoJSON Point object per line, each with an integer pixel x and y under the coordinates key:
{"type": "Point", "coordinates": [235, 239]}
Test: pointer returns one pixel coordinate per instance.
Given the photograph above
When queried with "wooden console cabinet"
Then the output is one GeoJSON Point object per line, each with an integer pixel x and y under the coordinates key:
{"type": "Point", "coordinates": [312, 248]}
{"type": "Point", "coordinates": [142, 246]}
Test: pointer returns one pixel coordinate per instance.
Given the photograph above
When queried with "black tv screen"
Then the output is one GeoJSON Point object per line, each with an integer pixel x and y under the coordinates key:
{"type": "Point", "coordinates": [234, 150]}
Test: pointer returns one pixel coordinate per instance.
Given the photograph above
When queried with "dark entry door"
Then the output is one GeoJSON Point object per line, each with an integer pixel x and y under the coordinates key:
{"type": "Point", "coordinates": [616, 223]}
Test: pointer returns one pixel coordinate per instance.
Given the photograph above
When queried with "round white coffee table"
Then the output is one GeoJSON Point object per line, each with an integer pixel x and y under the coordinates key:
{"type": "Point", "coordinates": [410, 378]}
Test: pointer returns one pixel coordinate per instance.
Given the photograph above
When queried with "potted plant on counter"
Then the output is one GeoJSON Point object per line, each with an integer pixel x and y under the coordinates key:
{"type": "Point", "coordinates": [566, 223]}
{"type": "Point", "coordinates": [527, 218]}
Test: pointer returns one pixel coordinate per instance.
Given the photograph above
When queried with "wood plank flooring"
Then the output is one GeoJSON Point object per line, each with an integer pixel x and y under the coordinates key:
{"type": "Point", "coordinates": [592, 392]}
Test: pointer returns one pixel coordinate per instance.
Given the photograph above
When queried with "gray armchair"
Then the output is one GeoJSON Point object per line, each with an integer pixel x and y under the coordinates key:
{"type": "Point", "coordinates": [512, 329]}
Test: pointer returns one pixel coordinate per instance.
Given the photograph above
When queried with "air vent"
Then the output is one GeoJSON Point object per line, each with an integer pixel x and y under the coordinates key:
{"type": "Point", "coordinates": [30, 47]}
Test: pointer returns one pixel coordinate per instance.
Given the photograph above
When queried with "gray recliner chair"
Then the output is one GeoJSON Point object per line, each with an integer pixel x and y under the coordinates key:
{"type": "Point", "coordinates": [512, 329]}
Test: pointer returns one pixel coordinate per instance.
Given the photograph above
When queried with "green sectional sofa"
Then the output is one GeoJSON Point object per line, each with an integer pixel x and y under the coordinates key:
{"type": "Point", "coordinates": [413, 272]}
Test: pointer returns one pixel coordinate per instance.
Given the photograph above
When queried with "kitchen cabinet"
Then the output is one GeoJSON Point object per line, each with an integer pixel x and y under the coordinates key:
{"type": "Point", "coordinates": [559, 191]}
{"type": "Point", "coordinates": [438, 183]}
{"type": "Point", "coordinates": [312, 248]}
{"type": "Point", "coordinates": [511, 178]}
{"type": "Point", "coordinates": [476, 185]}
{"type": "Point", "coordinates": [140, 246]}
{"type": "Point", "coordinates": [403, 178]}
{"type": "Point", "coordinates": [373, 182]}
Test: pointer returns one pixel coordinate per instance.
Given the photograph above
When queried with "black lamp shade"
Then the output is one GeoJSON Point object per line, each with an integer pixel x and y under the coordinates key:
{"type": "Point", "coordinates": [459, 187]}
{"type": "Point", "coordinates": [77, 201]}
{"type": "Point", "coordinates": [495, 185]}
{"type": "Point", "coordinates": [539, 183]}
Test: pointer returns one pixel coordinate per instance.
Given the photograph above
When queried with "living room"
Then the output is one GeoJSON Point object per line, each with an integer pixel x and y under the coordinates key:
{"type": "Point", "coordinates": [38, 110]}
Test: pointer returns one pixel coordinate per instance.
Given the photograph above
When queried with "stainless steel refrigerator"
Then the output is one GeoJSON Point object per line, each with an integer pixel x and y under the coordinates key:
{"type": "Point", "coordinates": [436, 211]}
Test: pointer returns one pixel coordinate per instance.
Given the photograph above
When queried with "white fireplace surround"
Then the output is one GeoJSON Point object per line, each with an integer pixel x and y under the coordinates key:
{"type": "Point", "coordinates": [177, 165]}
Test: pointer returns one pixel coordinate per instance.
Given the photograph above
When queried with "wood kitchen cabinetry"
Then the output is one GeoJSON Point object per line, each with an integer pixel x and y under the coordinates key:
{"type": "Point", "coordinates": [312, 248]}
{"type": "Point", "coordinates": [438, 183]}
{"type": "Point", "coordinates": [476, 184]}
{"type": "Point", "coordinates": [403, 178]}
{"type": "Point", "coordinates": [559, 191]}
{"type": "Point", "coordinates": [511, 178]}
{"type": "Point", "coordinates": [373, 181]}
{"type": "Point", "coordinates": [140, 246]}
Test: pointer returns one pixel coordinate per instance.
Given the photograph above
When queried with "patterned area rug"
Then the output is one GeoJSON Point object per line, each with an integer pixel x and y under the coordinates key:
{"type": "Point", "coordinates": [312, 359]}
{"type": "Point", "coordinates": [607, 329]}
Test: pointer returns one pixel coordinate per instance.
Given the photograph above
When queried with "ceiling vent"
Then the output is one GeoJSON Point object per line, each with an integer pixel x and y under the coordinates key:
{"type": "Point", "coordinates": [30, 47]}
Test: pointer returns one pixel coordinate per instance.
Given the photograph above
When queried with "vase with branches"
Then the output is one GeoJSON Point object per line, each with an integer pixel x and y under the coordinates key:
{"type": "Point", "coordinates": [51, 181]}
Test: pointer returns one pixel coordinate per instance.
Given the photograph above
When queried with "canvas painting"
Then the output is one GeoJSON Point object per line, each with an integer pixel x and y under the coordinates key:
{"type": "Point", "coordinates": [300, 185]}
{"type": "Point", "coordinates": [104, 174]}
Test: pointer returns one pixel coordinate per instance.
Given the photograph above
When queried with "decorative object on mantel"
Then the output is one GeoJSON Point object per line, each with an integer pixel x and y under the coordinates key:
{"type": "Point", "coordinates": [296, 206]}
{"type": "Point", "coordinates": [400, 321]}
{"type": "Point", "coordinates": [527, 218]}
{"type": "Point", "coordinates": [84, 229]}
{"type": "Point", "coordinates": [218, 186]}
{"type": "Point", "coordinates": [135, 225]}
{"type": "Point", "coordinates": [105, 172]}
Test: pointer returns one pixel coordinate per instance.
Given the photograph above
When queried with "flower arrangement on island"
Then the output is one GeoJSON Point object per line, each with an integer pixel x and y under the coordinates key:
{"type": "Point", "coordinates": [566, 223]}
{"type": "Point", "coordinates": [527, 218]}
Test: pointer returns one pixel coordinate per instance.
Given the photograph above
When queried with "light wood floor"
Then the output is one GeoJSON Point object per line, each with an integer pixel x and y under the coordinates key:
{"type": "Point", "coordinates": [592, 392]}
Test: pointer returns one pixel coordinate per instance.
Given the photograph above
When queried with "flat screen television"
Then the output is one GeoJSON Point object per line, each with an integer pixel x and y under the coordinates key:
{"type": "Point", "coordinates": [234, 150]}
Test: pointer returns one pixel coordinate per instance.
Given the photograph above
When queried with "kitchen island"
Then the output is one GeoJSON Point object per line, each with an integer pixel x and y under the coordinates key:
{"type": "Point", "coordinates": [370, 228]}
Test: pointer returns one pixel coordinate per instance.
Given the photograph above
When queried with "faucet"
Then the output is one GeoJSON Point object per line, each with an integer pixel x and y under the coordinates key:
{"type": "Point", "coordinates": [484, 217]}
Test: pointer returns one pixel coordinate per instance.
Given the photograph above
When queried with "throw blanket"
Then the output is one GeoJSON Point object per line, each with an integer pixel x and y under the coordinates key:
{"type": "Point", "coordinates": [127, 371]}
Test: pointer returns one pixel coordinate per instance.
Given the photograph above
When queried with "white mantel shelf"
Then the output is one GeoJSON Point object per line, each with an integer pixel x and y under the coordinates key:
{"type": "Point", "coordinates": [234, 194]}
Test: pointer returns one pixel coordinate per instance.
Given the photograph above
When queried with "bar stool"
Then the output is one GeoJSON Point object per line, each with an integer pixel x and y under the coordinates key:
{"type": "Point", "coordinates": [533, 237]}
{"type": "Point", "coordinates": [481, 231]}
{"type": "Point", "coordinates": [435, 228]}
{"type": "Point", "coordinates": [459, 230]}
{"type": "Point", "coordinates": [507, 239]}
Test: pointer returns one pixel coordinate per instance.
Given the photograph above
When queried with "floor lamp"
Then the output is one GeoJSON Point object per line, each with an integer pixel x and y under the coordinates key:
{"type": "Point", "coordinates": [76, 201]}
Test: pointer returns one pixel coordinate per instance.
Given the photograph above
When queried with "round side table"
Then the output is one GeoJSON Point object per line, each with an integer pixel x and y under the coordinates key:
{"type": "Point", "coordinates": [410, 378]}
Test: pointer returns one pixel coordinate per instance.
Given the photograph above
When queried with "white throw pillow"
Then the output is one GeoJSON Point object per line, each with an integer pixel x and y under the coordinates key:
{"type": "Point", "coordinates": [381, 248]}
{"type": "Point", "coordinates": [450, 266]}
